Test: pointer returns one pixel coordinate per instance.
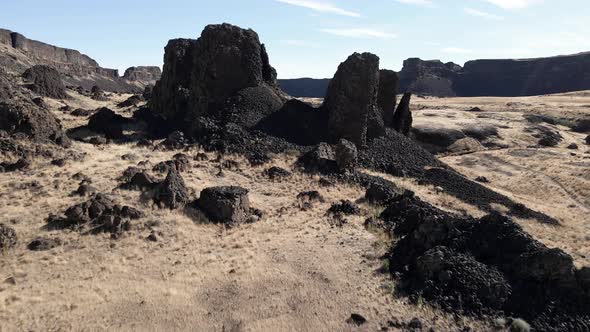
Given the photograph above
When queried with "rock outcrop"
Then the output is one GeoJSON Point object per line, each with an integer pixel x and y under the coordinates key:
{"type": "Point", "coordinates": [352, 98]}
{"type": "Point", "coordinates": [146, 74]}
{"type": "Point", "coordinates": [387, 96]}
{"type": "Point", "coordinates": [45, 81]}
{"type": "Point", "coordinates": [402, 119]}
{"type": "Point", "coordinates": [428, 77]}
{"type": "Point", "coordinates": [501, 77]}
{"type": "Point", "coordinates": [224, 75]}
{"type": "Point", "coordinates": [229, 205]}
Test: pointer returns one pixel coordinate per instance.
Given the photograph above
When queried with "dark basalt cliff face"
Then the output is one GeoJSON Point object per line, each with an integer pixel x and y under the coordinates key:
{"type": "Point", "coordinates": [524, 77]}
{"type": "Point", "coordinates": [506, 78]}
{"type": "Point", "coordinates": [431, 77]}
{"type": "Point", "coordinates": [18, 53]}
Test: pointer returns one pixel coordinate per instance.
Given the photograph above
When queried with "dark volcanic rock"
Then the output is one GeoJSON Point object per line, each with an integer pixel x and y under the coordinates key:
{"type": "Point", "coordinates": [171, 193]}
{"type": "Point", "coordinates": [45, 81]}
{"type": "Point", "coordinates": [81, 112]}
{"type": "Point", "coordinates": [131, 101]}
{"type": "Point", "coordinates": [352, 98]}
{"type": "Point", "coordinates": [321, 159]}
{"type": "Point", "coordinates": [225, 73]}
{"type": "Point", "coordinates": [107, 122]}
{"type": "Point", "coordinates": [550, 139]}
{"type": "Point", "coordinates": [42, 244]}
{"type": "Point", "coordinates": [143, 74]}
{"type": "Point", "coordinates": [37, 124]}
{"type": "Point", "coordinates": [344, 207]}
{"type": "Point", "coordinates": [99, 214]}
{"type": "Point", "coordinates": [277, 173]}
{"type": "Point", "coordinates": [140, 181]}
{"type": "Point", "coordinates": [8, 237]}
{"type": "Point", "coordinates": [432, 78]}
{"type": "Point", "coordinates": [228, 205]}
{"type": "Point", "coordinates": [379, 193]}
{"type": "Point", "coordinates": [20, 164]}
{"type": "Point", "coordinates": [346, 155]}
{"type": "Point", "coordinates": [402, 119]}
{"type": "Point", "coordinates": [386, 97]}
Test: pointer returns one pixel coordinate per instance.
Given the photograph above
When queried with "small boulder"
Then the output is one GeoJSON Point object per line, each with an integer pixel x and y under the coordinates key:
{"type": "Point", "coordinates": [321, 159]}
{"type": "Point", "coordinates": [172, 192]}
{"type": "Point", "coordinates": [573, 146]}
{"type": "Point", "coordinates": [107, 122]}
{"type": "Point", "coordinates": [229, 205]}
{"type": "Point", "coordinates": [344, 207]}
{"type": "Point", "coordinates": [346, 155]}
{"type": "Point", "coordinates": [277, 173]}
{"type": "Point", "coordinates": [42, 244]}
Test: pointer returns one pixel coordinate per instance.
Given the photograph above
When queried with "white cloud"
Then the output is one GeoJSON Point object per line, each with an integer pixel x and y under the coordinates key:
{"type": "Point", "coordinates": [323, 7]}
{"type": "Point", "coordinates": [299, 43]}
{"type": "Point", "coordinates": [513, 4]}
{"type": "Point", "coordinates": [456, 50]}
{"type": "Point", "coordinates": [479, 13]}
{"type": "Point", "coordinates": [360, 33]}
{"type": "Point", "coordinates": [427, 3]}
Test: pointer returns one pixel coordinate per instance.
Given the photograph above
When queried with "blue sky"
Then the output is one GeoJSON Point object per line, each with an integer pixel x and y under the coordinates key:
{"type": "Point", "coordinates": [309, 38]}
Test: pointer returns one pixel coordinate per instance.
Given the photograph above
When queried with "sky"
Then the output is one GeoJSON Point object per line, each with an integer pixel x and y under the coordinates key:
{"type": "Point", "coordinates": [309, 38]}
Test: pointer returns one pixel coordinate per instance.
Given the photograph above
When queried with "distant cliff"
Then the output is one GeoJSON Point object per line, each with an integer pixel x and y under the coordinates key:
{"type": "Point", "coordinates": [143, 74]}
{"type": "Point", "coordinates": [510, 78]}
{"type": "Point", "coordinates": [522, 77]}
{"type": "Point", "coordinates": [18, 53]}
{"type": "Point", "coordinates": [305, 87]}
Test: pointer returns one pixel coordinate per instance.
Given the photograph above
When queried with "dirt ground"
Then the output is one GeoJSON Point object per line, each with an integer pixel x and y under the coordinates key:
{"type": "Point", "coordinates": [294, 270]}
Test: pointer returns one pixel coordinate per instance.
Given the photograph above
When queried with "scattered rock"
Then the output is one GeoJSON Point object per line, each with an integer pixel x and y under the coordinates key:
{"type": "Point", "coordinates": [81, 112]}
{"type": "Point", "coordinates": [550, 139]}
{"type": "Point", "coordinates": [97, 94]}
{"type": "Point", "coordinates": [482, 179]}
{"type": "Point", "coordinates": [344, 207]}
{"type": "Point", "coordinates": [61, 162]}
{"type": "Point", "coordinates": [258, 159]}
{"type": "Point", "coordinates": [152, 237]}
{"type": "Point", "coordinates": [415, 323]}
{"type": "Point", "coordinates": [346, 155]}
{"type": "Point", "coordinates": [130, 102]}
{"type": "Point", "coordinates": [140, 181]}
{"type": "Point", "coordinates": [229, 205]}
{"type": "Point", "coordinates": [277, 173]}
{"type": "Point", "coordinates": [84, 189]}
{"type": "Point", "coordinates": [42, 244]}
{"type": "Point", "coordinates": [573, 146]}
{"type": "Point", "coordinates": [181, 163]}
{"type": "Point", "coordinates": [356, 319]}
{"type": "Point", "coordinates": [383, 193]}
{"type": "Point", "coordinates": [21, 164]}
{"type": "Point", "coordinates": [175, 141]}
{"type": "Point", "coordinates": [310, 196]}
{"type": "Point", "coordinates": [172, 192]}
{"type": "Point", "coordinates": [99, 214]}
{"type": "Point", "coordinates": [587, 140]}
{"type": "Point", "coordinates": [201, 157]}
{"type": "Point", "coordinates": [8, 237]}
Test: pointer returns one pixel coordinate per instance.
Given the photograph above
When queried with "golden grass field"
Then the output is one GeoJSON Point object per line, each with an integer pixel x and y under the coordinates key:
{"type": "Point", "coordinates": [294, 270]}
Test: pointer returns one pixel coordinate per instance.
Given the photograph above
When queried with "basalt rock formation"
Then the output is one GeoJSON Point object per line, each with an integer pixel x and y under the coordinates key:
{"type": "Point", "coordinates": [352, 98]}
{"type": "Point", "coordinates": [145, 74]}
{"type": "Point", "coordinates": [224, 75]}
{"type": "Point", "coordinates": [387, 96]}
{"type": "Point", "coordinates": [402, 119]}
{"type": "Point", "coordinates": [428, 77]}
{"type": "Point", "coordinates": [18, 53]}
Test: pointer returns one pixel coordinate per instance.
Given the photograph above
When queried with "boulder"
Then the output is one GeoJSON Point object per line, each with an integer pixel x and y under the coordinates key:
{"type": "Point", "coordinates": [107, 122]}
{"type": "Point", "coordinates": [172, 192]}
{"type": "Point", "coordinates": [229, 205]}
{"type": "Point", "coordinates": [321, 159]}
{"type": "Point", "coordinates": [45, 81]}
{"type": "Point", "coordinates": [131, 101]}
{"type": "Point", "coordinates": [383, 193]}
{"type": "Point", "coordinates": [346, 155]}
{"type": "Point", "coordinates": [277, 173]}
{"type": "Point", "coordinates": [18, 117]}
{"type": "Point", "coordinates": [43, 244]}
{"type": "Point", "coordinates": [8, 237]}
{"type": "Point", "coordinates": [386, 97]}
{"type": "Point", "coordinates": [402, 119]}
{"type": "Point", "coordinates": [352, 98]}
